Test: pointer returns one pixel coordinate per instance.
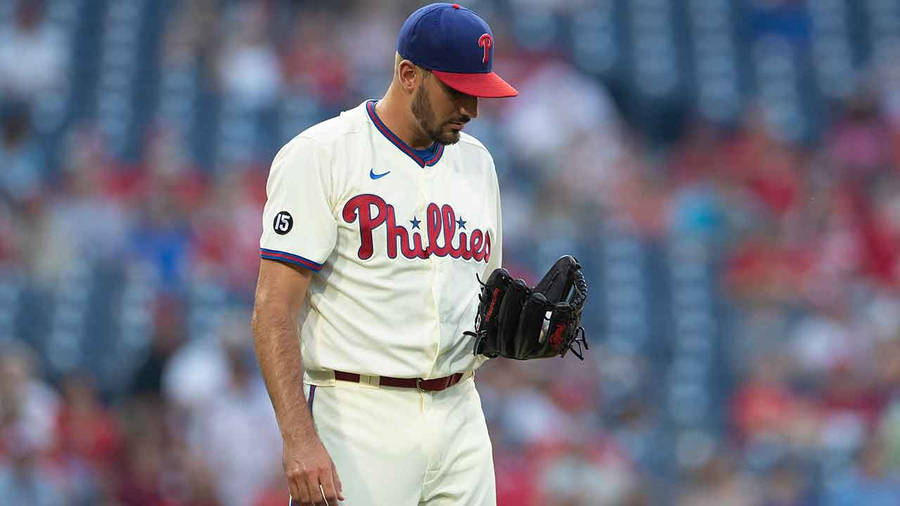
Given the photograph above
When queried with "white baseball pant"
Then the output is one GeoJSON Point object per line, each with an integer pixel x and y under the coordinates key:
{"type": "Point", "coordinates": [402, 446]}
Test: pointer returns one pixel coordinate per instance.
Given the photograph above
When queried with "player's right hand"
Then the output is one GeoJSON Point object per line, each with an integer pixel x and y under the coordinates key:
{"type": "Point", "coordinates": [307, 465]}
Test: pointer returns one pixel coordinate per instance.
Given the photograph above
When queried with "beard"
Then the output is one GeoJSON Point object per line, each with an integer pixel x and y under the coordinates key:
{"type": "Point", "coordinates": [425, 117]}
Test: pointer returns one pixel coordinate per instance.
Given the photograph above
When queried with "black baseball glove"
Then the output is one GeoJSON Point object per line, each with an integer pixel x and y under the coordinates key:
{"type": "Point", "coordinates": [515, 321]}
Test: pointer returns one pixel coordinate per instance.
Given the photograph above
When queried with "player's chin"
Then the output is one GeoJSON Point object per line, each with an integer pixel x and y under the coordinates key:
{"type": "Point", "coordinates": [449, 136]}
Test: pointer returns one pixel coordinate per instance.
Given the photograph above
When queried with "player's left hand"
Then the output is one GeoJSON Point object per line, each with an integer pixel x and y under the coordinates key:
{"type": "Point", "coordinates": [523, 323]}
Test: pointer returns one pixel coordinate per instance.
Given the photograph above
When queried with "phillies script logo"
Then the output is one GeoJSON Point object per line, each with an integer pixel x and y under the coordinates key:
{"type": "Point", "coordinates": [440, 230]}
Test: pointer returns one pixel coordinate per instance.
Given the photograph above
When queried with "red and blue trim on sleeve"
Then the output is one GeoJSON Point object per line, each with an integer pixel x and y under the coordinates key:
{"type": "Point", "coordinates": [406, 148]}
{"type": "Point", "coordinates": [281, 256]}
{"type": "Point", "coordinates": [312, 397]}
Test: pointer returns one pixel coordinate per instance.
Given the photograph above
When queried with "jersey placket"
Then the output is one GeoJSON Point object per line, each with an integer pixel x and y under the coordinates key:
{"type": "Point", "coordinates": [423, 183]}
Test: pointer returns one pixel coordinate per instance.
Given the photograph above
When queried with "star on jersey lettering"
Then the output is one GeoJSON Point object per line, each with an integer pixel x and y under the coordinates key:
{"type": "Point", "coordinates": [415, 222]}
{"type": "Point", "coordinates": [461, 222]}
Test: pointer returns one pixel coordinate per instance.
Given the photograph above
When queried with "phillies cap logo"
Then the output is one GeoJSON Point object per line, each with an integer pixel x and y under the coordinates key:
{"type": "Point", "coordinates": [486, 41]}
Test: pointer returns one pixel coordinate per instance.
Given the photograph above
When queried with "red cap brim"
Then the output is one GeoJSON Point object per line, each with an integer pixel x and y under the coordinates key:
{"type": "Point", "coordinates": [486, 85]}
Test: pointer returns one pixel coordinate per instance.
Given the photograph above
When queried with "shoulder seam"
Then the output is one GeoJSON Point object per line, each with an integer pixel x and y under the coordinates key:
{"type": "Point", "coordinates": [472, 141]}
{"type": "Point", "coordinates": [304, 134]}
{"type": "Point", "coordinates": [349, 126]}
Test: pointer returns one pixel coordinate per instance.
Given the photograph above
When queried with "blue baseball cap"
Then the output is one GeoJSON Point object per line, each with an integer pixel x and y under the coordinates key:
{"type": "Point", "coordinates": [457, 46]}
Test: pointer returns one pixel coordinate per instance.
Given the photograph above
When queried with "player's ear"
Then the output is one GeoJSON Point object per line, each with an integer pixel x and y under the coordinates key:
{"type": "Point", "coordinates": [409, 75]}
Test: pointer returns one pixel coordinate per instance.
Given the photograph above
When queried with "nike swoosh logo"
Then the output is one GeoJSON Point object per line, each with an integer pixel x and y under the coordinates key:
{"type": "Point", "coordinates": [373, 175]}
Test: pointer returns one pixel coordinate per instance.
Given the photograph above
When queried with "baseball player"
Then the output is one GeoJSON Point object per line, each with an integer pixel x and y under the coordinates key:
{"type": "Point", "coordinates": [375, 227]}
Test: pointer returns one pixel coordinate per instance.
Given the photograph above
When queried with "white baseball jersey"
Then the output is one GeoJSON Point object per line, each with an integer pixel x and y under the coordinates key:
{"type": "Point", "coordinates": [396, 240]}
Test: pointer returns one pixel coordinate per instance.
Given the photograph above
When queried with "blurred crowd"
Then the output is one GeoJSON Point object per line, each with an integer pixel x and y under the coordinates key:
{"type": "Point", "coordinates": [805, 237]}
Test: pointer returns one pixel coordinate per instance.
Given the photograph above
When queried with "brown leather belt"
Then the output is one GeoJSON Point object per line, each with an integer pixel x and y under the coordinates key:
{"type": "Point", "coordinates": [428, 385]}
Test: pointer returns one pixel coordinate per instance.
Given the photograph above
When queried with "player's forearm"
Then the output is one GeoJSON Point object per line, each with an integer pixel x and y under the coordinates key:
{"type": "Point", "coordinates": [277, 348]}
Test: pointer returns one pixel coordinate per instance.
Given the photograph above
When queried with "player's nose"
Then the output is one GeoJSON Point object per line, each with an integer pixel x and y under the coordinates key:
{"type": "Point", "coordinates": [468, 106]}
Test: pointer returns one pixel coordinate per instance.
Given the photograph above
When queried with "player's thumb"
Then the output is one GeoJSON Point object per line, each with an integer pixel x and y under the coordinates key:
{"type": "Point", "coordinates": [337, 482]}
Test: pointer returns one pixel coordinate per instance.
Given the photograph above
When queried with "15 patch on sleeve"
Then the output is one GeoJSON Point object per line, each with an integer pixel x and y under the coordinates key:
{"type": "Point", "coordinates": [283, 223]}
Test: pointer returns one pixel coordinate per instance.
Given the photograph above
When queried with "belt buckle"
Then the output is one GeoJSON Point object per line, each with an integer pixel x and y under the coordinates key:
{"type": "Point", "coordinates": [419, 385]}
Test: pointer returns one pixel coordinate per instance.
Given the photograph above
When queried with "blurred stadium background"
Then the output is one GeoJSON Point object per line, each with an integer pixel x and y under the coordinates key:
{"type": "Point", "coordinates": [728, 171]}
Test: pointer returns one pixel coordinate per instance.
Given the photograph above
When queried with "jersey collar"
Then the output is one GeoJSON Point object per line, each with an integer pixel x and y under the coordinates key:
{"type": "Point", "coordinates": [406, 148]}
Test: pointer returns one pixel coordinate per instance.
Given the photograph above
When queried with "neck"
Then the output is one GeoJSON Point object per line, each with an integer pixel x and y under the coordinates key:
{"type": "Point", "coordinates": [394, 111]}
